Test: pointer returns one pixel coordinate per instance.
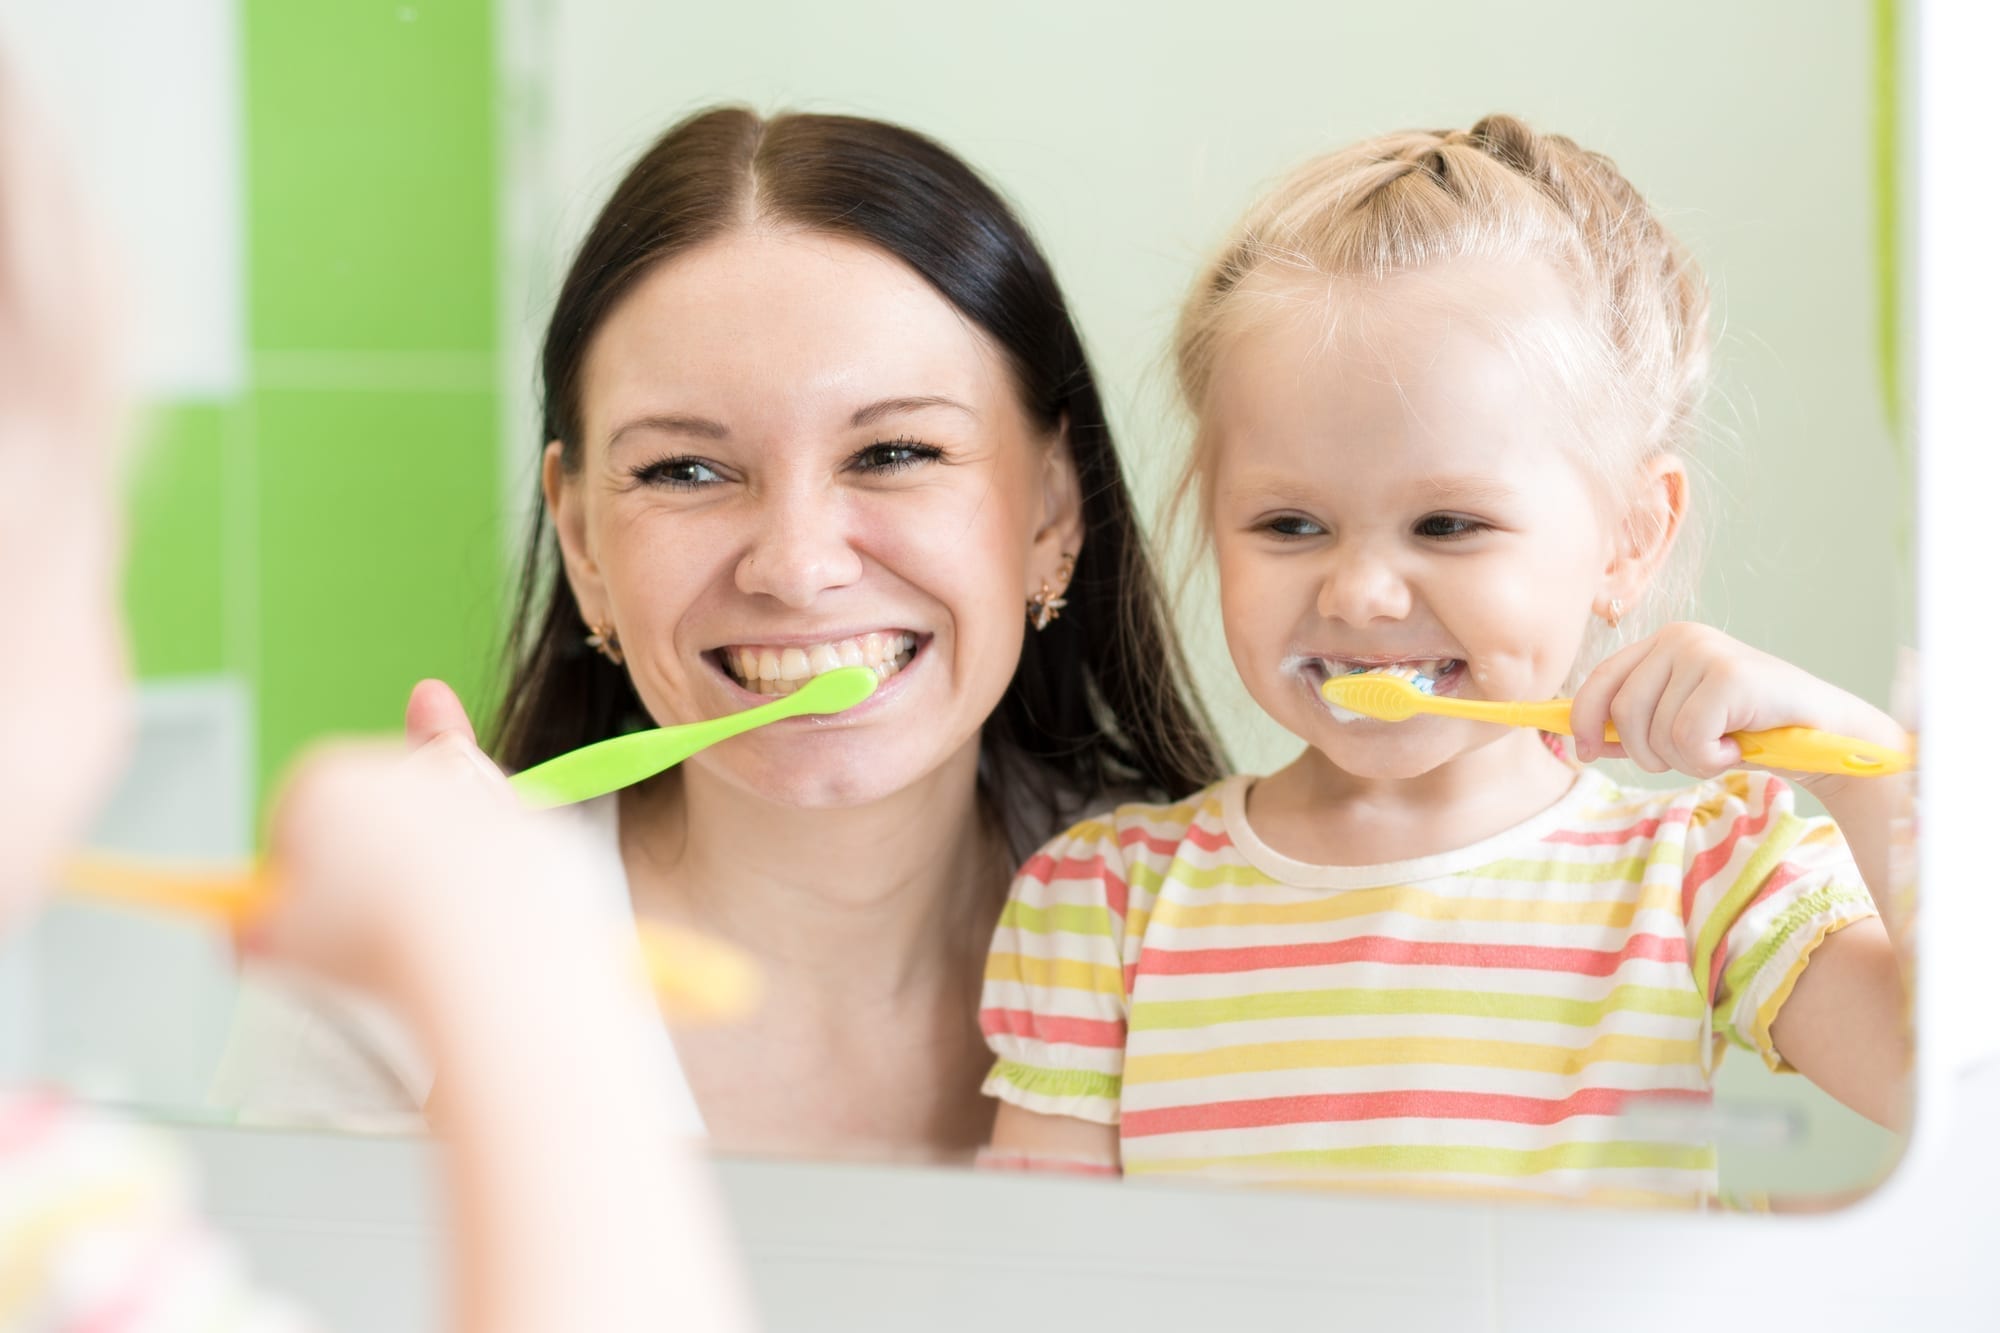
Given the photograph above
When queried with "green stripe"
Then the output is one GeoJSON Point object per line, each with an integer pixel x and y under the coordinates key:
{"type": "Point", "coordinates": [1784, 835]}
{"type": "Point", "coordinates": [1171, 1014]}
{"type": "Point", "coordinates": [1737, 975]}
{"type": "Point", "coordinates": [1057, 1082]}
{"type": "Point", "coordinates": [1466, 1159]}
{"type": "Point", "coordinates": [1068, 918]}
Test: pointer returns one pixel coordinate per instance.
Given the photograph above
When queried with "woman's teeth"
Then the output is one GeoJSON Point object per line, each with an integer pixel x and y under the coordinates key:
{"type": "Point", "coordinates": [781, 670]}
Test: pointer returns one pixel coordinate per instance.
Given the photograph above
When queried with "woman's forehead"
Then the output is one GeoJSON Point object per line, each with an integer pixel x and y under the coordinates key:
{"type": "Point", "coordinates": [768, 324]}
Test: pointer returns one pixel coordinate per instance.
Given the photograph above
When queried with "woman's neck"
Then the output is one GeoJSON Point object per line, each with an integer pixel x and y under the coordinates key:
{"type": "Point", "coordinates": [1314, 812]}
{"type": "Point", "coordinates": [872, 901]}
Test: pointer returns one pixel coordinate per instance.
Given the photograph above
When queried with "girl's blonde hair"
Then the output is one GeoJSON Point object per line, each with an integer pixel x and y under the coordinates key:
{"type": "Point", "coordinates": [1635, 364]}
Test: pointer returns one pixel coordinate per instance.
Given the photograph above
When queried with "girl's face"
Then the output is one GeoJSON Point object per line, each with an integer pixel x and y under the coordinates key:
{"type": "Point", "coordinates": [1402, 494]}
{"type": "Point", "coordinates": [798, 455]}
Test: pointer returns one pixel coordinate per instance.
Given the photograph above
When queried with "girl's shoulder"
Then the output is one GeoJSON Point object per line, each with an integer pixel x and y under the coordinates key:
{"type": "Point", "coordinates": [1739, 801]}
{"type": "Point", "coordinates": [1135, 833]}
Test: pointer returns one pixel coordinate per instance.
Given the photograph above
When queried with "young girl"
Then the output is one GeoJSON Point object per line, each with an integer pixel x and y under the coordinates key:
{"type": "Point", "coordinates": [402, 876]}
{"type": "Point", "coordinates": [1443, 382]}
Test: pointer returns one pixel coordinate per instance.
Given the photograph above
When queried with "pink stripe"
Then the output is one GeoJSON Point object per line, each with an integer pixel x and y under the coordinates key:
{"type": "Point", "coordinates": [1779, 878]}
{"type": "Point", "coordinates": [1050, 1027]}
{"type": "Point", "coordinates": [27, 1119]}
{"type": "Point", "coordinates": [1197, 835]}
{"type": "Point", "coordinates": [1645, 828]}
{"type": "Point", "coordinates": [1415, 1104]}
{"type": "Point", "coordinates": [1704, 867]}
{"type": "Point", "coordinates": [1043, 869]}
{"type": "Point", "coordinates": [1413, 953]}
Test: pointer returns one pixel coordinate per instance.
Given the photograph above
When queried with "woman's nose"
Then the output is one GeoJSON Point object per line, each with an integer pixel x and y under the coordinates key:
{"type": "Point", "coordinates": [801, 549]}
{"type": "Point", "coordinates": [1359, 587]}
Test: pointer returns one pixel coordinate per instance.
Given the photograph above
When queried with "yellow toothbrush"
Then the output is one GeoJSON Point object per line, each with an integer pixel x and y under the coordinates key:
{"type": "Point", "coordinates": [697, 979]}
{"type": "Point", "coordinates": [1797, 749]}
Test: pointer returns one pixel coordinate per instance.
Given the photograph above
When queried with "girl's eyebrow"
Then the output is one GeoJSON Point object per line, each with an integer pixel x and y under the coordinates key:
{"type": "Point", "coordinates": [1465, 490]}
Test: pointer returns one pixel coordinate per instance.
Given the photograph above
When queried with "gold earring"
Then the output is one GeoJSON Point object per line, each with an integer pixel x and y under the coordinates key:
{"type": "Point", "coordinates": [1046, 605]}
{"type": "Point", "coordinates": [606, 641]}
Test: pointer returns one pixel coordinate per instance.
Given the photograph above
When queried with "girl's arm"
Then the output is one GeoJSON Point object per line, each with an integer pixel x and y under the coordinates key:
{"type": "Point", "coordinates": [1675, 696]}
{"type": "Point", "coordinates": [1026, 1140]}
{"type": "Point", "coordinates": [569, 1204]}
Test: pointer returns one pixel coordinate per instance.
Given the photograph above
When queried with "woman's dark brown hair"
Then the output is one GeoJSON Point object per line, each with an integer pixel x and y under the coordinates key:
{"type": "Point", "coordinates": [1100, 702]}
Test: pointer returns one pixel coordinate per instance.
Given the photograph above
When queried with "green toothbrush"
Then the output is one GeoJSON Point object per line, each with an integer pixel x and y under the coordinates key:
{"type": "Point", "coordinates": [612, 765]}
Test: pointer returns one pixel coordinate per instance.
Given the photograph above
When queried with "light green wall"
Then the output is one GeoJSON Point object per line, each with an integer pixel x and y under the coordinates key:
{"type": "Point", "coordinates": [332, 534]}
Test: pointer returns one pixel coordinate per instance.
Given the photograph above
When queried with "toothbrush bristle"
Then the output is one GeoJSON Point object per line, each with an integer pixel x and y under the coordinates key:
{"type": "Point", "coordinates": [1384, 698]}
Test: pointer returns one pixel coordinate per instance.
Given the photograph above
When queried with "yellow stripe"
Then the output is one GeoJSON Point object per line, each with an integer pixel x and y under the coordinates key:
{"type": "Point", "coordinates": [1630, 869]}
{"type": "Point", "coordinates": [1159, 1015]}
{"type": "Point", "coordinates": [1290, 1056]}
{"type": "Point", "coordinates": [28, 1248]}
{"type": "Point", "coordinates": [1068, 918]}
{"type": "Point", "coordinates": [1407, 901]}
{"type": "Point", "coordinates": [1469, 1159]}
{"type": "Point", "coordinates": [1055, 973]}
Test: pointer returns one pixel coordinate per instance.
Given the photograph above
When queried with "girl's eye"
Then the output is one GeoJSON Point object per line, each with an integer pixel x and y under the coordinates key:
{"type": "Point", "coordinates": [1293, 525]}
{"type": "Point", "coordinates": [894, 456]}
{"type": "Point", "coordinates": [1444, 527]}
{"type": "Point", "coordinates": [678, 473]}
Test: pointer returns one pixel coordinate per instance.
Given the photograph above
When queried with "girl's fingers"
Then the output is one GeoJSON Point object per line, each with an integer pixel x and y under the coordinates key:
{"type": "Point", "coordinates": [1701, 734]}
{"type": "Point", "coordinates": [1669, 725]}
{"type": "Point", "coordinates": [435, 711]}
{"type": "Point", "coordinates": [1591, 709]}
{"type": "Point", "coordinates": [1636, 704]}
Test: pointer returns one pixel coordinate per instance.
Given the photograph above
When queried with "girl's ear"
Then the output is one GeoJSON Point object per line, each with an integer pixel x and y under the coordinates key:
{"type": "Point", "coordinates": [565, 502]}
{"type": "Point", "coordinates": [1646, 534]}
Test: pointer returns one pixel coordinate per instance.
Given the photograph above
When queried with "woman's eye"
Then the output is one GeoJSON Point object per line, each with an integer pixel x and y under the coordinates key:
{"type": "Point", "coordinates": [683, 473]}
{"type": "Point", "coordinates": [1293, 525]}
{"type": "Point", "coordinates": [894, 456]}
{"type": "Point", "coordinates": [1443, 527]}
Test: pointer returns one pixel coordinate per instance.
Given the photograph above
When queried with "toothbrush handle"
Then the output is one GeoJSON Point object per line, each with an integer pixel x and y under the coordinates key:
{"type": "Point", "coordinates": [1794, 749]}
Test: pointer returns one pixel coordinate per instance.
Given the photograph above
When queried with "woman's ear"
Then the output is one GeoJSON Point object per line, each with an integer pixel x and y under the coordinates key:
{"type": "Point", "coordinates": [1060, 532]}
{"type": "Point", "coordinates": [1646, 534]}
{"type": "Point", "coordinates": [565, 501]}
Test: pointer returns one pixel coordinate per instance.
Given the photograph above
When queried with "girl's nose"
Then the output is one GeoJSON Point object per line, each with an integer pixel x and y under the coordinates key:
{"type": "Point", "coordinates": [1359, 588]}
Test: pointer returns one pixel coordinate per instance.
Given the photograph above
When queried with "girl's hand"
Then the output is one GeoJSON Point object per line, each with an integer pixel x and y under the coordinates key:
{"type": "Point", "coordinates": [1677, 695]}
{"type": "Point", "coordinates": [436, 721]}
{"type": "Point", "coordinates": [405, 875]}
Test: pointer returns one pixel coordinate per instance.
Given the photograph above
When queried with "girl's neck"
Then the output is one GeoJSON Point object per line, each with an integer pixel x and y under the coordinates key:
{"type": "Point", "coordinates": [1313, 812]}
{"type": "Point", "coordinates": [872, 901]}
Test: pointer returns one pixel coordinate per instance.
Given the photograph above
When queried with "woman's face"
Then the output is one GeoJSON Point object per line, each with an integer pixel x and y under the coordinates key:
{"type": "Point", "coordinates": [798, 455]}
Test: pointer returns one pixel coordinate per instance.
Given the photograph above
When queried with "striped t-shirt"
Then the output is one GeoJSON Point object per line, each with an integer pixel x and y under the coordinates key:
{"type": "Point", "coordinates": [97, 1233]}
{"type": "Point", "coordinates": [1540, 1012]}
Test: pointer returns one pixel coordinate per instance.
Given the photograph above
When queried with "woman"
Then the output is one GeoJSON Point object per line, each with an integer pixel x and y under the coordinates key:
{"type": "Point", "coordinates": [812, 396]}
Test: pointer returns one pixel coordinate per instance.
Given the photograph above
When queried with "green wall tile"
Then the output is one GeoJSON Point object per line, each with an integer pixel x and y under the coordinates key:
{"type": "Point", "coordinates": [380, 558]}
{"type": "Point", "coordinates": [175, 588]}
{"type": "Point", "coordinates": [371, 164]}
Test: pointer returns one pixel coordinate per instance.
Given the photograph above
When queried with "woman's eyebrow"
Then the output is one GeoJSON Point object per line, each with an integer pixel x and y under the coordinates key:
{"type": "Point", "coordinates": [673, 423]}
{"type": "Point", "coordinates": [889, 407]}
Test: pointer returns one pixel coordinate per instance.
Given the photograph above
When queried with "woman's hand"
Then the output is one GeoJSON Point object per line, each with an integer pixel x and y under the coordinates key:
{"type": "Point", "coordinates": [1676, 696]}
